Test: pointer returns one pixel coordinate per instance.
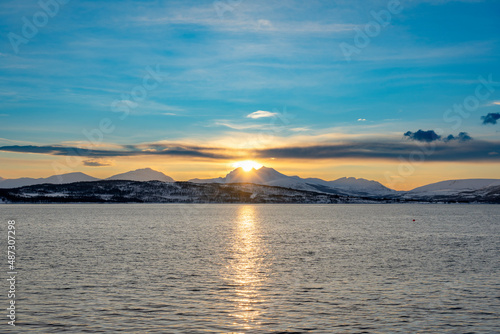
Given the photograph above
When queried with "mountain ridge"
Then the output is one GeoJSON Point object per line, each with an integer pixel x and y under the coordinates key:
{"type": "Point", "coordinates": [344, 186]}
{"type": "Point", "coordinates": [142, 175]}
{"type": "Point", "coordinates": [124, 191]}
{"type": "Point", "coordinates": [271, 177]}
{"type": "Point", "coordinates": [54, 179]}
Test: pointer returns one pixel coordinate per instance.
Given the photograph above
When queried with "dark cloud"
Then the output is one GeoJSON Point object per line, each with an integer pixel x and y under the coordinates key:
{"type": "Point", "coordinates": [438, 151]}
{"type": "Point", "coordinates": [462, 137]}
{"type": "Point", "coordinates": [457, 148]}
{"type": "Point", "coordinates": [424, 136]}
{"type": "Point", "coordinates": [431, 136]}
{"type": "Point", "coordinates": [491, 118]}
{"type": "Point", "coordinates": [97, 163]}
{"type": "Point", "coordinates": [129, 150]}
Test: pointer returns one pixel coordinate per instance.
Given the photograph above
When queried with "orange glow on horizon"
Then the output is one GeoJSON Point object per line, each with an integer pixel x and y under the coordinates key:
{"type": "Point", "coordinates": [17, 165]}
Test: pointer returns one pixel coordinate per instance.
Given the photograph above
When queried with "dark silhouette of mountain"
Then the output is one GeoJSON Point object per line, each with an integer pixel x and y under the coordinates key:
{"type": "Point", "coordinates": [55, 179]}
{"type": "Point", "coordinates": [271, 177]}
{"type": "Point", "coordinates": [267, 186]}
{"type": "Point", "coordinates": [144, 174]}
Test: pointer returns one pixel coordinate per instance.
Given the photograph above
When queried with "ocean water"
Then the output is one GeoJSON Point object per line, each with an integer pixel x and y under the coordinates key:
{"type": "Point", "coordinates": [255, 268]}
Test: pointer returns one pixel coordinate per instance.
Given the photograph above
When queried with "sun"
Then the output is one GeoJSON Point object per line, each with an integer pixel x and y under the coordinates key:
{"type": "Point", "coordinates": [247, 165]}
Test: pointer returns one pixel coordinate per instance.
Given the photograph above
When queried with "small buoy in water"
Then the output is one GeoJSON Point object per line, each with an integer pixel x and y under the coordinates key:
{"type": "Point", "coordinates": [413, 219]}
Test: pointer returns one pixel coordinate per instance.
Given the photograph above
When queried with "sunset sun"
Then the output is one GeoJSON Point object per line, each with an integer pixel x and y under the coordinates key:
{"type": "Point", "coordinates": [247, 165]}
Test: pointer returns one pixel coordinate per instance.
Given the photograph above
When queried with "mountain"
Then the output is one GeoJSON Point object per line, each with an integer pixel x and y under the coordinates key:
{"type": "Point", "coordinates": [267, 185]}
{"type": "Point", "coordinates": [452, 187]}
{"type": "Point", "coordinates": [271, 177]}
{"type": "Point", "coordinates": [263, 176]}
{"type": "Point", "coordinates": [144, 174]}
{"type": "Point", "coordinates": [352, 184]}
{"type": "Point", "coordinates": [119, 191]}
{"type": "Point", "coordinates": [55, 179]}
{"type": "Point", "coordinates": [266, 176]}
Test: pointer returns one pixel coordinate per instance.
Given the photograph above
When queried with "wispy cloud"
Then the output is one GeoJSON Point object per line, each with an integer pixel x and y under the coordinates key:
{"type": "Point", "coordinates": [127, 151]}
{"type": "Point", "coordinates": [243, 21]}
{"type": "Point", "coordinates": [261, 114]}
{"type": "Point", "coordinates": [98, 163]}
{"type": "Point", "coordinates": [471, 151]}
{"type": "Point", "coordinates": [303, 129]}
{"type": "Point", "coordinates": [234, 126]}
{"type": "Point", "coordinates": [452, 150]}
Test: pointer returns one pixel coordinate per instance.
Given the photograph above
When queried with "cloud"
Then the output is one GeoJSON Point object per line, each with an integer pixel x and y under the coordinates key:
{"type": "Point", "coordinates": [127, 151]}
{"type": "Point", "coordinates": [364, 149]}
{"type": "Point", "coordinates": [97, 163]}
{"type": "Point", "coordinates": [261, 114]}
{"type": "Point", "coordinates": [462, 137]}
{"type": "Point", "coordinates": [431, 136]}
{"type": "Point", "coordinates": [264, 24]}
{"type": "Point", "coordinates": [424, 136]}
{"type": "Point", "coordinates": [302, 129]}
{"type": "Point", "coordinates": [491, 118]}
{"type": "Point", "coordinates": [368, 150]}
{"type": "Point", "coordinates": [237, 126]}
{"type": "Point", "coordinates": [361, 119]}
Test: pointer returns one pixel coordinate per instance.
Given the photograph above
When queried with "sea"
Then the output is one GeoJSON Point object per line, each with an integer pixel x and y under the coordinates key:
{"type": "Point", "coordinates": [237, 268]}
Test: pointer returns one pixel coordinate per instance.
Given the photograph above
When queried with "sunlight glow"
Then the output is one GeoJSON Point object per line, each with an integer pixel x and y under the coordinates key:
{"type": "Point", "coordinates": [247, 165]}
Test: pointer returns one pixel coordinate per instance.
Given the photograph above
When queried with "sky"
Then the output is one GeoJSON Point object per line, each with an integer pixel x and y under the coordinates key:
{"type": "Point", "coordinates": [402, 92]}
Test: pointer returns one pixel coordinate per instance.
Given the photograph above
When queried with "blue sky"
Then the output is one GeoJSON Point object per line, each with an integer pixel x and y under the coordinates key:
{"type": "Point", "coordinates": [222, 61]}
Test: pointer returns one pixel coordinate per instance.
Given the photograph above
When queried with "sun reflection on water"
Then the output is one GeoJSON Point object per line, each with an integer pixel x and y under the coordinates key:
{"type": "Point", "coordinates": [247, 269]}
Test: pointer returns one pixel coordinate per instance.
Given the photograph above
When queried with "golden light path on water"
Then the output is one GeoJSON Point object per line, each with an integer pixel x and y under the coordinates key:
{"type": "Point", "coordinates": [247, 270]}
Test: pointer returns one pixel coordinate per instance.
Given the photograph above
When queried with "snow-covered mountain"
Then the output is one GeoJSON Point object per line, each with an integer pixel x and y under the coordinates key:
{"type": "Point", "coordinates": [144, 174]}
{"type": "Point", "coordinates": [55, 179]}
{"type": "Point", "coordinates": [271, 177]}
{"type": "Point", "coordinates": [118, 191]}
{"type": "Point", "coordinates": [263, 176]}
{"type": "Point", "coordinates": [358, 186]}
{"type": "Point", "coordinates": [469, 190]}
{"type": "Point", "coordinates": [452, 187]}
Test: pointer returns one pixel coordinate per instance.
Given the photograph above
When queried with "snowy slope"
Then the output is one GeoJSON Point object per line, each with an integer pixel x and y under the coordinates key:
{"type": "Point", "coordinates": [352, 184]}
{"type": "Point", "coordinates": [144, 174]}
{"type": "Point", "coordinates": [55, 179]}
{"type": "Point", "coordinates": [263, 176]}
{"type": "Point", "coordinates": [452, 187]}
{"type": "Point", "coordinates": [271, 177]}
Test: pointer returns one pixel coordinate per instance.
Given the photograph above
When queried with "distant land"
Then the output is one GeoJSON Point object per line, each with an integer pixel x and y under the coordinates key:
{"type": "Point", "coordinates": [265, 185]}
